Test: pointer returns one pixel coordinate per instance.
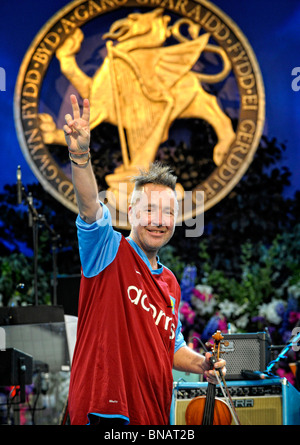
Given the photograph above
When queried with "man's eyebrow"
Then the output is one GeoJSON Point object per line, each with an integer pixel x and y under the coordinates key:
{"type": "Point", "coordinates": [148, 205]}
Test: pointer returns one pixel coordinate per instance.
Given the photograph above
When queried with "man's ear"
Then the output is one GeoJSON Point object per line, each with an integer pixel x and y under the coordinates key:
{"type": "Point", "coordinates": [130, 214]}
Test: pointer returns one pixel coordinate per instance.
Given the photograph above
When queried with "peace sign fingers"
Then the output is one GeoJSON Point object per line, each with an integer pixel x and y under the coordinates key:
{"type": "Point", "coordinates": [86, 111]}
{"type": "Point", "coordinates": [75, 107]}
{"type": "Point", "coordinates": [77, 131]}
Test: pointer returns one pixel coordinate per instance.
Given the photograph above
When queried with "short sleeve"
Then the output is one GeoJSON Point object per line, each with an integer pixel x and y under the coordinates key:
{"type": "Point", "coordinates": [179, 339]}
{"type": "Point", "coordinates": [98, 243]}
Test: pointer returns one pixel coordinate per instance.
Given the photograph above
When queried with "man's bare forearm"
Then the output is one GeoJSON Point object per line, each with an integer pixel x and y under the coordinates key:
{"type": "Point", "coordinates": [187, 360]}
{"type": "Point", "coordinates": [86, 191]}
{"type": "Point", "coordinates": [77, 134]}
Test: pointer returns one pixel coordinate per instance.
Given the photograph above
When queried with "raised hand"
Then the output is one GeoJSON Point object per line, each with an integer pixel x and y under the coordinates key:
{"type": "Point", "coordinates": [77, 129]}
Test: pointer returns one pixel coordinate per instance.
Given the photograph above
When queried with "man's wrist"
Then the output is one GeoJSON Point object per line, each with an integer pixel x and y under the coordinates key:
{"type": "Point", "coordinates": [80, 158]}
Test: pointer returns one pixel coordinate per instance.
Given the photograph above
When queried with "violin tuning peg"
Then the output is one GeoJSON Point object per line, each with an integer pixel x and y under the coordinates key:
{"type": "Point", "coordinates": [218, 336]}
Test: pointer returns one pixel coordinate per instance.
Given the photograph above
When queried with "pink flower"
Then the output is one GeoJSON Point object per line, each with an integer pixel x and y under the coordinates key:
{"type": "Point", "coordinates": [199, 294]}
{"type": "Point", "coordinates": [202, 293]}
{"type": "Point", "coordinates": [222, 325]}
{"type": "Point", "coordinates": [187, 312]}
{"type": "Point", "coordinates": [287, 374]}
{"type": "Point", "coordinates": [195, 341]}
{"type": "Point", "coordinates": [294, 317]}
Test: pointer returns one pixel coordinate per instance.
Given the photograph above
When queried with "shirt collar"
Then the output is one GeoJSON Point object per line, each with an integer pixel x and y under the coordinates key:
{"type": "Point", "coordinates": [142, 254]}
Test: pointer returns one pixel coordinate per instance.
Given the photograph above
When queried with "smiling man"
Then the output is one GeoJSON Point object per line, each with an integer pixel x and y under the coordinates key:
{"type": "Point", "coordinates": [129, 333]}
{"type": "Point", "coordinates": [153, 211]}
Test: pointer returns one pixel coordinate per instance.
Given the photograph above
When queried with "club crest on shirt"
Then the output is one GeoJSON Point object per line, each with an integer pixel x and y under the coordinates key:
{"type": "Point", "coordinates": [173, 302]}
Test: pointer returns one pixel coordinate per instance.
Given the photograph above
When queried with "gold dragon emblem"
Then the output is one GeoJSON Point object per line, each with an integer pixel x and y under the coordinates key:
{"type": "Point", "coordinates": [145, 84]}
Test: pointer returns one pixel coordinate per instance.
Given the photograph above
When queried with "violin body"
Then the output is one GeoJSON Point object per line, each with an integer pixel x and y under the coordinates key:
{"type": "Point", "coordinates": [209, 409]}
{"type": "Point", "coordinates": [195, 412]}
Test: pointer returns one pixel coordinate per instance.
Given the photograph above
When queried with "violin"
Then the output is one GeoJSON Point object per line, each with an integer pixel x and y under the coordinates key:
{"type": "Point", "coordinates": [209, 409]}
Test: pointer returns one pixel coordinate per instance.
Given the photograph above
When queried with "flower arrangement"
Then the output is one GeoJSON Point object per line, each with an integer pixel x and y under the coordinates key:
{"type": "Point", "coordinates": [261, 293]}
{"type": "Point", "coordinates": [204, 311]}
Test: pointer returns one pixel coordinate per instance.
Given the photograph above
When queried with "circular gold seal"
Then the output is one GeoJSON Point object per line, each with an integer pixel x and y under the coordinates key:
{"type": "Point", "coordinates": [174, 80]}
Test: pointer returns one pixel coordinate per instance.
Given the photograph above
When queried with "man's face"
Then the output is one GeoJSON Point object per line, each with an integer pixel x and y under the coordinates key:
{"type": "Point", "coordinates": [153, 217]}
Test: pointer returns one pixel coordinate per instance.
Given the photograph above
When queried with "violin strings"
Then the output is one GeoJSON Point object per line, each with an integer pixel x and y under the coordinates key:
{"type": "Point", "coordinates": [209, 407]}
{"type": "Point", "coordinates": [231, 408]}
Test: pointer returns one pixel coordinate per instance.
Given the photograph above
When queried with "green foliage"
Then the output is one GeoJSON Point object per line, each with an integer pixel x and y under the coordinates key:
{"type": "Point", "coordinates": [265, 272]}
{"type": "Point", "coordinates": [168, 257]}
{"type": "Point", "coordinates": [255, 211]}
{"type": "Point", "coordinates": [16, 246]}
{"type": "Point", "coordinates": [17, 269]}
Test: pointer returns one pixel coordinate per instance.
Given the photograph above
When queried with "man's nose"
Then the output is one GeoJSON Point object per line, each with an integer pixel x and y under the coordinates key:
{"type": "Point", "coordinates": [157, 218]}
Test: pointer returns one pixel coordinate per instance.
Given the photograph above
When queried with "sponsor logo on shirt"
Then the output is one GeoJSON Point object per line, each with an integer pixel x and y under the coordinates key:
{"type": "Point", "coordinates": [137, 297]}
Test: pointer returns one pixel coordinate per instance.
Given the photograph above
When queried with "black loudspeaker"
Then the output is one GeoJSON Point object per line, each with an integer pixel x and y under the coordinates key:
{"type": "Point", "coordinates": [38, 331]}
{"type": "Point", "coordinates": [20, 315]}
{"type": "Point", "coordinates": [249, 352]}
{"type": "Point", "coordinates": [15, 365]}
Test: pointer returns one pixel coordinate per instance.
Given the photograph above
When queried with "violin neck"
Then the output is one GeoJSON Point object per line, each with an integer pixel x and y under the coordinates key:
{"type": "Point", "coordinates": [208, 415]}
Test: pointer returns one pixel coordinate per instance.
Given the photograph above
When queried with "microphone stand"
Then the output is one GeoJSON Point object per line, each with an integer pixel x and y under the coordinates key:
{"type": "Point", "coordinates": [54, 239]}
{"type": "Point", "coordinates": [35, 220]}
{"type": "Point", "coordinates": [291, 344]}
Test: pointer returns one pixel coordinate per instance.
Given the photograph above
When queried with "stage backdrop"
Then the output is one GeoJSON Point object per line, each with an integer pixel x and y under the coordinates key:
{"type": "Point", "coordinates": [271, 28]}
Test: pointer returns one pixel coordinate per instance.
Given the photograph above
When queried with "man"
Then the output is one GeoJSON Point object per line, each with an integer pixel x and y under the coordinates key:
{"type": "Point", "coordinates": [128, 336]}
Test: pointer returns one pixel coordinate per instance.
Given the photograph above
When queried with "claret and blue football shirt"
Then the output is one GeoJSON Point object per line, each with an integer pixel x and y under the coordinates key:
{"type": "Point", "coordinates": [128, 331]}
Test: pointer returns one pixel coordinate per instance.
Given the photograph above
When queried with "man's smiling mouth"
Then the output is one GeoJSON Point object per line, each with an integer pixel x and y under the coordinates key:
{"type": "Point", "coordinates": [161, 231]}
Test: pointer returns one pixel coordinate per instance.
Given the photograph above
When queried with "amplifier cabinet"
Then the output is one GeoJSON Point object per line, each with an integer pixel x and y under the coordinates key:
{"type": "Point", "coordinates": [245, 352]}
{"type": "Point", "coordinates": [260, 402]}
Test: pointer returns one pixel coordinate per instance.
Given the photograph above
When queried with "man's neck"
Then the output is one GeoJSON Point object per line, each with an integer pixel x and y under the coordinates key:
{"type": "Point", "coordinates": [152, 260]}
{"type": "Point", "coordinates": [151, 255]}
